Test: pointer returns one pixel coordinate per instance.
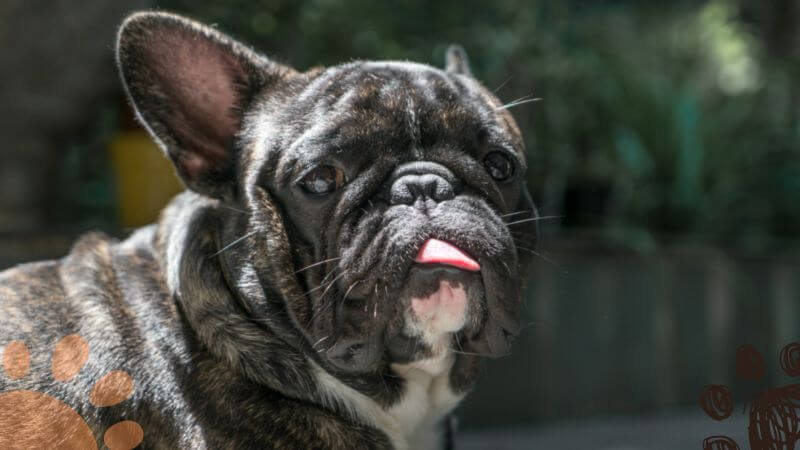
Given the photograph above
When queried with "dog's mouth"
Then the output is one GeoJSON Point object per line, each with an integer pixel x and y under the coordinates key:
{"type": "Point", "coordinates": [440, 303]}
{"type": "Point", "coordinates": [440, 299]}
{"type": "Point", "coordinates": [440, 306]}
{"type": "Point", "coordinates": [441, 286]}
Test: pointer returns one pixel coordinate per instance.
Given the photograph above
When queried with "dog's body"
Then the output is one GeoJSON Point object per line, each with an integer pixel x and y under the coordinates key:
{"type": "Point", "coordinates": [115, 295]}
{"type": "Point", "coordinates": [281, 304]}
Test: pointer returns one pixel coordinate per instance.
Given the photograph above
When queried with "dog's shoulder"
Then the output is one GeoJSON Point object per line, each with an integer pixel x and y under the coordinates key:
{"type": "Point", "coordinates": [89, 283]}
{"type": "Point", "coordinates": [91, 336]}
{"type": "Point", "coordinates": [37, 296]}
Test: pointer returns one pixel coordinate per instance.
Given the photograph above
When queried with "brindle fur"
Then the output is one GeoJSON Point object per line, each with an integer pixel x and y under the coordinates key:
{"type": "Point", "coordinates": [208, 309]}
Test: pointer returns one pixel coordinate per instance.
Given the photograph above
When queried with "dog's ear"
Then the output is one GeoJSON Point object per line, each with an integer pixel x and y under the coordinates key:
{"type": "Point", "coordinates": [190, 86]}
{"type": "Point", "coordinates": [456, 60]}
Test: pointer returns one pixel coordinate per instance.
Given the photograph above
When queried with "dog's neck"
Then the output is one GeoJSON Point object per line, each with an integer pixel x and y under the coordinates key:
{"type": "Point", "coordinates": [188, 253]}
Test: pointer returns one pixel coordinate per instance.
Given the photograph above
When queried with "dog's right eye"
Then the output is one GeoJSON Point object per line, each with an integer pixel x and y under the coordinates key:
{"type": "Point", "coordinates": [499, 166]}
{"type": "Point", "coordinates": [322, 180]}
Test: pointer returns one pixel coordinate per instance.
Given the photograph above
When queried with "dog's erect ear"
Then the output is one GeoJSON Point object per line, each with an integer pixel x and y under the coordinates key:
{"type": "Point", "coordinates": [190, 86]}
{"type": "Point", "coordinates": [456, 60]}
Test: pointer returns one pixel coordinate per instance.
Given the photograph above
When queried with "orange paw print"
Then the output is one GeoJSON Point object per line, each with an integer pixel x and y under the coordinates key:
{"type": "Point", "coordinates": [31, 419]}
{"type": "Point", "coordinates": [774, 422]}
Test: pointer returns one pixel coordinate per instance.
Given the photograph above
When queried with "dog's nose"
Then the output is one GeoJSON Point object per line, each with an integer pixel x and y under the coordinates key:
{"type": "Point", "coordinates": [421, 180]}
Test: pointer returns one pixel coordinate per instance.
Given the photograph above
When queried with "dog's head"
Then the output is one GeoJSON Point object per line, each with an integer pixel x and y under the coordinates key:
{"type": "Point", "coordinates": [382, 203]}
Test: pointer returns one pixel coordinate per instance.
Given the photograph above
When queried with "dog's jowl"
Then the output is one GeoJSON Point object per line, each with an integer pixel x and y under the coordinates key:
{"type": "Point", "coordinates": [349, 250]}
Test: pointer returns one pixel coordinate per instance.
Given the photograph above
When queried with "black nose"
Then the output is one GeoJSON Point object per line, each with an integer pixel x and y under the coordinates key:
{"type": "Point", "coordinates": [421, 180]}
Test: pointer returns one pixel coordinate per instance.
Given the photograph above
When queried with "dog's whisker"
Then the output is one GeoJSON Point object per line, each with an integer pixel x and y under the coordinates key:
{"type": "Point", "coordinates": [535, 253]}
{"type": "Point", "coordinates": [517, 103]}
{"type": "Point", "coordinates": [328, 274]}
{"type": "Point", "coordinates": [321, 286]}
{"type": "Point", "coordinates": [317, 264]}
{"type": "Point", "coordinates": [524, 97]}
{"type": "Point", "coordinates": [320, 341]}
{"type": "Point", "coordinates": [323, 305]}
{"type": "Point", "coordinates": [234, 209]}
{"type": "Point", "coordinates": [322, 283]}
{"type": "Point", "coordinates": [525, 241]}
{"type": "Point", "coordinates": [482, 355]}
{"type": "Point", "coordinates": [233, 243]}
{"type": "Point", "coordinates": [506, 266]}
{"type": "Point", "coordinates": [318, 312]}
{"type": "Point", "coordinates": [502, 84]}
{"type": "Point", "coordinates": [515, 213]}
{"type": "Point", "coordinates": [332, 282]}
{"type": "Point", "coordinates": [350, 289]}
{"type": "Point", "coordinates": [534, 219]}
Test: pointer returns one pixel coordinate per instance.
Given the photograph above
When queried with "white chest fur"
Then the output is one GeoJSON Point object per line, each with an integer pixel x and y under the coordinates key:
{"type": "Point", "coordinates": [416, 421]}
{"type": "Point", "coordinates": [428, 399]}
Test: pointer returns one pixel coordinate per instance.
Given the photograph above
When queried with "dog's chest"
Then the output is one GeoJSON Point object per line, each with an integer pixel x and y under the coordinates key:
{"type": "Point", "coordinates": [427, 400]}
{"type": "Point", "coordinates": [416, 420]}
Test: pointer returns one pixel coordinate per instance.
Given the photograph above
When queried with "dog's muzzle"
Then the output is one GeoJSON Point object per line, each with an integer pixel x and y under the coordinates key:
{"type": "Point", "coordinates": [422, 184]}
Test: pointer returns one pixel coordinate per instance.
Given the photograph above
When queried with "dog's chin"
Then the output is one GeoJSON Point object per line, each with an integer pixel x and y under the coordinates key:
{"type": "Point", "coordinates": [436, 309]}
{"type": "Point", "coordinates": [439, 304]}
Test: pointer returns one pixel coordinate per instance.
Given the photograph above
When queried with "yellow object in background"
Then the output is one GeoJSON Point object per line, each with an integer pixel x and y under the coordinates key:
{"type": "Point", "coordinates": [146, 180]}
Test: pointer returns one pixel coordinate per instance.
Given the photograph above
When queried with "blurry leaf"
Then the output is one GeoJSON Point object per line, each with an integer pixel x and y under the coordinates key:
{"type": "Point", "coordinates": [632, 153]}
{"type": "Point", "coordinates": [689, 153]}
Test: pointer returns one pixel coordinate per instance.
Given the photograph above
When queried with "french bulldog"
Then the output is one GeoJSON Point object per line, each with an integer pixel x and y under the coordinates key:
{"type": "Point", "coordinates": [350, 248]}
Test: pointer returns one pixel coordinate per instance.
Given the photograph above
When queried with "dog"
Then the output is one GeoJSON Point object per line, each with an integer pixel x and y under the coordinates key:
{"type": "Point", "coordinates": [350, 248]}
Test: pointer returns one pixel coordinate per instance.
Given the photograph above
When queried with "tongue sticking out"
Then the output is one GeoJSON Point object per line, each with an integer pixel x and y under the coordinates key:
{"type": "Point", "coordinates": [434, 251]}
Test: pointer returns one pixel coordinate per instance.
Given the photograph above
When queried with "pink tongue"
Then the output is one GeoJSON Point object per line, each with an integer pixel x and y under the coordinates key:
{"type": "Point", "coordinates": [434, 251]}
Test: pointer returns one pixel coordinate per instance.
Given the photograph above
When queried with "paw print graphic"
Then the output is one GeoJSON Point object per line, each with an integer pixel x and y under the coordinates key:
{"type": "Point", "coordinates": [32, 419]}
{"type": "Point", "coordinates": [774, 414]}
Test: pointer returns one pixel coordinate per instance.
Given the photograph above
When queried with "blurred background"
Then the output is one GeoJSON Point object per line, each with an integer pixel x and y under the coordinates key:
{"type": "Point", "coordinates": [666, 146]}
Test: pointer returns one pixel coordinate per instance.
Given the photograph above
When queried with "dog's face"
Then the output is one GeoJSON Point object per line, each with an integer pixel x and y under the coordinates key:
{"type": "Point", "coordinates": [385, 186]}
{"type": "Point", "coordinates": [397, 176]}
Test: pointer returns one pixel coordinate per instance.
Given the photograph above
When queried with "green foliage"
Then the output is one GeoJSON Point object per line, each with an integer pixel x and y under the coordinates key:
{"type": "Point", "coordinates": [656, 120]}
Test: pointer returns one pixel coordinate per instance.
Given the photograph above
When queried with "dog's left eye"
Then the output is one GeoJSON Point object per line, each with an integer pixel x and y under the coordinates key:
{"type": "Point", "coordinates": [499, 166]}
{"type": "Point", "coordinates": [322, 180]}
